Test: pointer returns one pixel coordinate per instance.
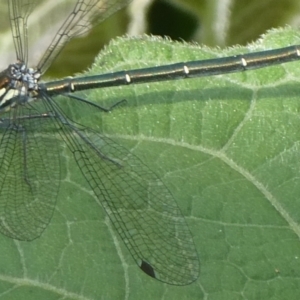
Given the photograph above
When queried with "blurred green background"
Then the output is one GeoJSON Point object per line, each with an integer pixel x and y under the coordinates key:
{"type": "Point", "coordinates": [210, 22]}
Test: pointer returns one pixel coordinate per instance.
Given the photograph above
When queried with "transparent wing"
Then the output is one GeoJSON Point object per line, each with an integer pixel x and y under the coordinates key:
{"type": "Point", "coordinates": [19, 10]}
{"type": "Point", "coordinates": [139, 205]}
{"type": "Point", "coordinates": [84, 14]}
{"type": "Point", "coordinates": [30, 172]}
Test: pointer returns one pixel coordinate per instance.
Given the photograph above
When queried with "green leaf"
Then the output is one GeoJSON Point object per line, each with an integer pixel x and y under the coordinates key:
{"type": "Point", "coordinates": [227, 147]}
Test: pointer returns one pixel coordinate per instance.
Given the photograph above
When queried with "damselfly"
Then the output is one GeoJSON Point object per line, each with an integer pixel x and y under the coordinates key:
{"type": "Point", "coordinates": [33, 120]}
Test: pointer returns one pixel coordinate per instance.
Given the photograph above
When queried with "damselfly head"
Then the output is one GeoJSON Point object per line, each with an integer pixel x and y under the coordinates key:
{"type": "Point", "coordinates": [17, 83]}
{"type": "Point", "coordinates": [21, 76]}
